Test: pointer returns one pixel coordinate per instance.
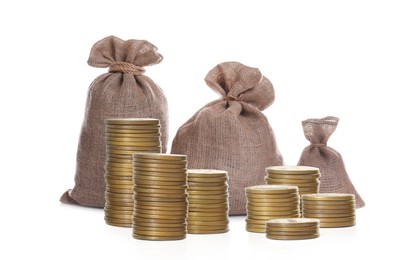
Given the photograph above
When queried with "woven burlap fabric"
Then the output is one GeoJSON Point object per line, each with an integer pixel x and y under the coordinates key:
{"type": "Point", "coordinates": [231, 133]}
{"type": "Point", "coordinates": [334, 177]}
{"type": "Point", "coordinates": [123, 92]}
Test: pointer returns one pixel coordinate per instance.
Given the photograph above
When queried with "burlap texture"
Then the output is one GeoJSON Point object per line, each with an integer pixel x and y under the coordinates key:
{"type": "Point", "coordinates": [231, 133]}
{"type": "Point", "coordinates": [334, 177]}
{"type": "Point", "coordinates": [123, 92]}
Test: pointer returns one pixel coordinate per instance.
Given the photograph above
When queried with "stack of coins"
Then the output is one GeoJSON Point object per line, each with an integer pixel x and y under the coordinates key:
{"type": "Point", "coordinates": [123, 138]}
{"type": "Point", "coordinates": [332, 209]}
{"type": "Point", "coordinates": [160, 195]}
{"type": "Point", "coordinates": [292, 228]}
{"type": "Point", "coordinates": [305, 177]}
{"type": "Point", "coordinates": [208, 201]}
{"type": "Point", "coordinates": [265, 202]}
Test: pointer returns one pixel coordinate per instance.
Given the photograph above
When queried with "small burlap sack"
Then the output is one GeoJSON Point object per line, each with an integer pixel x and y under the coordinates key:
{"type": "Point", "coordinates": [231, 133]}
{"type": "Point", "coordinates": [334, 177]}
{"type": "Point", "coordinates": [123, 92]}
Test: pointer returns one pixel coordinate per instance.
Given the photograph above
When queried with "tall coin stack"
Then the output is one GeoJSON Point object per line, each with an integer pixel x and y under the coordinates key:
{"type": "Point", "coordinates": [208, 201]}
{"type": "Point", "coordinates": [305, 177]}
{"type": "Point", "coordinates": [332, 209]}
{"type": "Point", "coordinates": [292, 228]}
{"type": "Point", "coordinates": [265, 202]}
{"type": "Point", "coordinates": [160, 195]}
{"type": "Point", "coordinates": [123, 138]}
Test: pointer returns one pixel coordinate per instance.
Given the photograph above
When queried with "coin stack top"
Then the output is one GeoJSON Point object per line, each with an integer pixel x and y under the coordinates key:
{"type": "Point", "coordinates": [305, 177]}
{"type": "Point", "coordinates": [332, 209]}
{"type": "Point", "coordinates": [292, 228]}
{"type": "Point", "coordinates": [266, 202]}
{"type": "Point", "coordinates": [160, 195]}
{"type": "Point", "coordinates": [124, 137]}
{"type": "Point", "coordinates": [208, 201]}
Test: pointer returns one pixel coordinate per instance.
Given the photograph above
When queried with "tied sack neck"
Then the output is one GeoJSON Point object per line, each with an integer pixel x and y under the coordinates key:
{"type": "Point", "coordinates": [127, 68]}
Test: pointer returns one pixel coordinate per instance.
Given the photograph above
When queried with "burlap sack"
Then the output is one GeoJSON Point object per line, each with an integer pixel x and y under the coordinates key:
{"type": "Point", "coordinates": [123, 92]}
{"type": "Point", "coordinates": [334, 177]}
{"type": "Point", "coordinates": [231, 133]}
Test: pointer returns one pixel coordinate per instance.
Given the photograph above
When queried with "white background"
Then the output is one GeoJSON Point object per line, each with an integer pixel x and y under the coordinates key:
{"type": "Point", "coordinates": [350, 59]}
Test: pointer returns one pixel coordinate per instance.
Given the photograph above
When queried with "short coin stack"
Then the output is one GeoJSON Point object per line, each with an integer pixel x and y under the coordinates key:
{"type": "Point", "coordinates": [305, 177]}
{"type": "Point", "coordinates": [160, 195]}
{"type": "Point", "coordinates": [123, 138]}
{"type": "Point", "coordinates": [265, 202]}
{"type": "Point", "coordinates": [208, 201]}
{"type": "Point", "coordinates": [292, 228]}
{"type": "Point", "coordinates": [332, 209]}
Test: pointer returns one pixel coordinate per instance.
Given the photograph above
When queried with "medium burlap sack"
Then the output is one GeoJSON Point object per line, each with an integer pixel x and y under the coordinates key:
{"type": "Point", "coordinates": [334, 177]}
{"type": "Point", "coordinates": [123, 92]}
{"type": "Point", "coordinates": [231, 133]}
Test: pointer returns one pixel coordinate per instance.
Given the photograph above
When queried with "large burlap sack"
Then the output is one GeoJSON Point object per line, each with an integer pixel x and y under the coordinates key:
{"type": "Point", "coordinates": [334, 177]}
{"type": "Point", "coordinates": [123, 92]}
{"type": "Point", "coordinates": [231, 133]}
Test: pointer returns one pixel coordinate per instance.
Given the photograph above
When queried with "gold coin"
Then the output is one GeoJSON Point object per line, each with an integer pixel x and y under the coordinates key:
{"type": "Point", "coordinates": [117, 195]}
{"type": "Point", "coordinates": [161, 174]}
{"type": "Point", "coordinates": [149, 135]}
{"type": "Point", "coordinates": [208, 206]}
{"type": "Point", "coordinates": [329, 203]}
{"type": "Point", "coordinates": [176, 188]}
{"type": "Point", "coordinates": [292, 237]}
{"type": "Point", "coordinates": [218, 180]}
{"type": "Point", "coordinates": [256, 222]}
{"type": "Point", "coordinates": [280, 205]}
{"type": "Point", "coordinates": [159, 229]}
{"type": "Point", "coordinates": [199, 218]}
{"type": "Point", "coordinates": [140, 195]}
{"type": "Point", "coordinates": [329, 196]}
{"type": "Point", "coordinates": [109, 185]}
{"type": "Point", "coordinates": [273, 208]}
{"type": "Point", "coordinates": [158, 238]}
{"type": "Point", "coordinates": [161, 204]}
{"type": "Point", "coordinates": [110, 212]}
{"type": "Point", "coordinates": [204, 202]}
{"type": "Point", "coordinates": [271, 189]}
{"type": "Point", "coordinates": [139, 177]}
{"type": "Point", "coordinates": [160, 166]}
{"type": "Point", "coordinates": [279, 196]}
{"type": "Point", "coordinates": [201, 231]}
{"type": "Point", "coordinates": [273, 213]}
{"type": "Point", "coordinates": [204, 193]}
{"type": "Point", "coordinates": [111, 207]}
{"type": "Point", "coordinates": [208, 223]}
{"type": "Point", "coordinates": [128, 160]}
{"type": "Point", "coordinates": [119, 156]}
{"type": "Point", "coordinates": [268, 217]}
{"type": "Point", "coordinates": [329, 207]}
{"type": "Point", "coordinates": [115, 174]}
{"type": "Point", "coordinates": [336, 219]}
{"type": "Point", "coordinates": [209, 197]}
{"type": "Point", "coordinates": [208, 214]}
{"type": "Point", "coordinates": [180, 213]}
{"type": "Point", "coordinates": [151, 169]}
{"type": "Point", "coordinates": [161, 162]}
{"type": "Point", "coordinates": [109, 177]}
{"type": "Point", "coordinates": [207, 188]}
{"type": "Point", "coordinates": [119, 182]}
{"type": "Point", "coordinates": [308, 177]}
{"type": "Point", "coordinates": [337, 224]}
{"type": "Point", "coordinates": [311, 229]}
{"type": "Point", "coordinates": [161, 156]}
{"type": "Point", "coordinates": [118, 149]}
{"type": "Point", "coordinates": [159, 191]}
{"type": "Point", "coordinates": [118, 221]}
{"type": "Point", "coordinates": [131, 121]}
{"type": "Point", "coordinates": [261, 200]}
{"type": "Point", "coordinates": [293, 222]}
{"type": "Point", "coordinates": [335, 215]}
{"type": "Point", "coordinates": [132, 139]}
{"type": "Point", "coordinates": [161, 225]}
{"type": "Point", "coordinates": [207, 173]}
{"type": "Point", "coordinates": [142, 182]}
{"type": "Point", "coordinates": [155, 199]}
{"type": "Point", "coordinates": [160, 234]}
{"type": "Point", "coordinates": [117, 215]}
{"type": "Point", "coordinates": [254, 229]}
{"type": "Point", "coordinates": [293, 169]}
{"type": "Point", "coordinates": [131, 145]}
{"type": "Point", "coordinates": [119, 165]}
{"type": "Point", "coordinates": [128, 225]}
{"type": "Point", "coordinates": [208, 210]}
{"type": "Point", "coordinates": [144, 219]}
{"type": "Point", "coordinates": [329, 211]}
{"type": "Point", "coordinates": [119, 200]}
{"type": "Point", "coordinates": [181, 218]}
{"type": "Point", "coordinates": [295, 182]}
{"type": "Point", "coordinates": [175, 208]}
{"type": "Point", "coordinates": [291, 233]}
{"type": "Point", "coordinates": [133, 127]}
{"type": "Point", "coordinates": [131, 131]}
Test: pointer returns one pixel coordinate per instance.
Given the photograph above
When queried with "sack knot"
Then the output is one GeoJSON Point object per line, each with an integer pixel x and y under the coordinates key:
{"type": "Point", "coordinates": [125, 67]}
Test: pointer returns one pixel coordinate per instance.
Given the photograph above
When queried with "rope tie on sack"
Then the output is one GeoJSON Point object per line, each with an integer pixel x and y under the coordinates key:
{"type": "Point", "coordinates": [318, 145]}
{"type": "Point", "coordinates": [125, 67]}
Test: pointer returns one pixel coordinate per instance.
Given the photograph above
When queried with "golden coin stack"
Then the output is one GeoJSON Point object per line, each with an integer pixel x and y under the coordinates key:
{"type": "Point", "coordinates": [208, 201]}
{"type": "Point", "coordinates": [123, 138]}
{"type": "Point", "coordinates": [305, 177]}
{"type": "Point", "coordinates": [332, 209]}
{"type": "Point", "coordinates": [265, 202]}
{"type": "Point", "coordinates": [160, 195]}
{"type": "Point", "coordinates": [292, 228]}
